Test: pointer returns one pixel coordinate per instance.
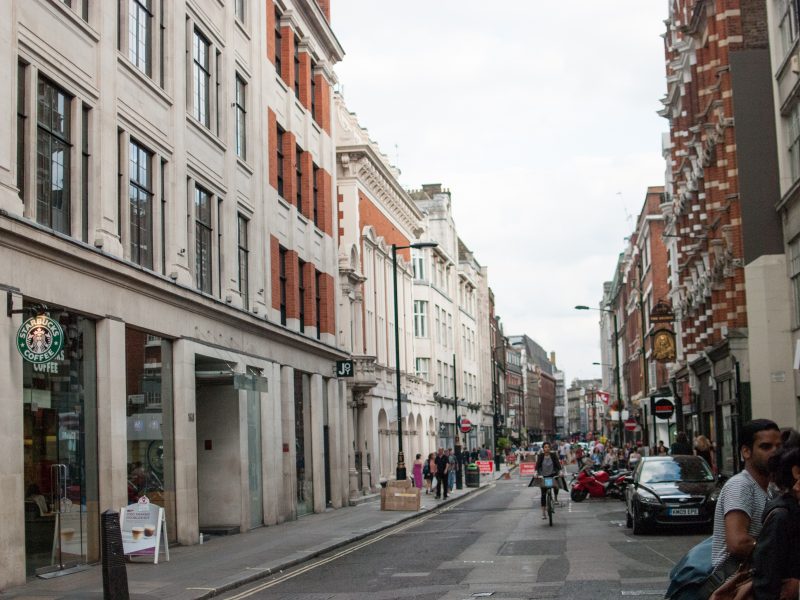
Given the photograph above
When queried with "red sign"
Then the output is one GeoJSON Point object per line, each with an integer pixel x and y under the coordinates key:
{"type": "Point", "coordinates": [631, 424]}
{"type": "Point", "coordinates": [485, 466]}
{"type": "Point", "coordinates": [466, 426]}
{"type": "Point", "coordinates": [604, 396]}
{"type": "Point", "coordinates": [527, 468]}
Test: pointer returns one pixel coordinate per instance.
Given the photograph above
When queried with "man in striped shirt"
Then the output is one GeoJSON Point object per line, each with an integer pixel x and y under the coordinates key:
{"type": "Point", "coordinates": [737, 520]}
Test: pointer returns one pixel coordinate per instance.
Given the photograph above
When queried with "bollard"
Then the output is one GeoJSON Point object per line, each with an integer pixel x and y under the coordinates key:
{"type": "Point", "coordinates": [115, 574]}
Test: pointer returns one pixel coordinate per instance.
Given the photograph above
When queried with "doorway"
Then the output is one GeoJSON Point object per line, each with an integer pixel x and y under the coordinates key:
{"type": "Point", "coordinates": [60, 453]}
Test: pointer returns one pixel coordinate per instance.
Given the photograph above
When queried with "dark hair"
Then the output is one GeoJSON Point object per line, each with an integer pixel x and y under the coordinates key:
{"type": "Point", "coordinates": [790, 438]}
{"type": "Point", "coordinates": [780, 467]}
{"type": "Point", "coordinates": [747, 434]}
{"type": "Point", "coordinates": [681, 437]}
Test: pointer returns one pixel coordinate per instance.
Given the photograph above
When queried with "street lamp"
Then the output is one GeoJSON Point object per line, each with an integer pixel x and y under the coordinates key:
{"type": "Point", "coordinates": [401, 465]}
{"type": "Point", "coordinates": [616, 363]}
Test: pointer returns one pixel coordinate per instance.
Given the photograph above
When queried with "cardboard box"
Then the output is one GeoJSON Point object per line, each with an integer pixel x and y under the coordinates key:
{"type": "Point", "coordinates": [400, 495]}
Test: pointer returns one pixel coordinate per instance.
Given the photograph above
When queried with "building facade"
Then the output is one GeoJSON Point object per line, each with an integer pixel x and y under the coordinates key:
{"type": "Point", "coordinates": [167, 199]}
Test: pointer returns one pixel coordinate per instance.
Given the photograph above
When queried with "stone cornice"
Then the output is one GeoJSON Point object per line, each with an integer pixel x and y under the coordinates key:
{"type": "Point", "coordinates": [321, 29]}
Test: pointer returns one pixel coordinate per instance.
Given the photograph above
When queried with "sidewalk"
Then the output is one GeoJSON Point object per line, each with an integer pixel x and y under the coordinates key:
{"type": "Point", "coordinates": [226, 562]}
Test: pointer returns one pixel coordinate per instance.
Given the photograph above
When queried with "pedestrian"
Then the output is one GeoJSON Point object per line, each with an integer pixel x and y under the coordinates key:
{"type": "Point", "coordinates": [547, 465]}
{"type": "Point", "coordinates": [442, 464]}
{"type": "Point", "coordinates": [429, 472]}
{"type": "Point", "coordinates": [452, 468]}
{"type": "Point", "coordinates": [633, 458]}
{"type": "Point", "coordinates": [740, 507]}
{"type": "Point", "coordinates": [484, 453]}
{"type": "Point", "coordinates": [661, 449]}
{"type": "Point", "coordinates": [702, 448]}
{"type": "Point", "coordinates": [680, 445]}
{"type": "Point", "coordinates": [776, 558]}
{"type": "Point", "coordinates": [417, 471]}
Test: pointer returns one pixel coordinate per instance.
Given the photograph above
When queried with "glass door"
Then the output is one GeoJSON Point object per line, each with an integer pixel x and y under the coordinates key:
{"type": "Point", "coordinates": [60, 453]}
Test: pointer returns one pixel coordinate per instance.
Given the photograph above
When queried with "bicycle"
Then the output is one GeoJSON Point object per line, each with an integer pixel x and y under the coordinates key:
{"type": "Point", "coordinates": [548, 483]}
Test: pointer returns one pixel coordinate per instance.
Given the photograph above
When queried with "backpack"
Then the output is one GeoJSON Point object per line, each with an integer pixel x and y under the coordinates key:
{"type": "Point", "coordinates": [426, 469]}
{"type": "Point", "coordinates": [693, 569]}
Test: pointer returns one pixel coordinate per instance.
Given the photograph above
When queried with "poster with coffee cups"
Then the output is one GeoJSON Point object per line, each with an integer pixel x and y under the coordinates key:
{"type": "Point", "coordinates": [142, 526]}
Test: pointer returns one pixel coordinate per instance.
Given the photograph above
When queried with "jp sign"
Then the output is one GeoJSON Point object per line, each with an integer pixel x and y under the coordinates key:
{"type": "Point", "coordinates": [345, 368]}
{"type": "Point", "coordinates": [40, 339]}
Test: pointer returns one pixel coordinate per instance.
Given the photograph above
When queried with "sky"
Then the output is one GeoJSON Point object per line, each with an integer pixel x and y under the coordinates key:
{"type": "Point", "coordinates": [540, 118]}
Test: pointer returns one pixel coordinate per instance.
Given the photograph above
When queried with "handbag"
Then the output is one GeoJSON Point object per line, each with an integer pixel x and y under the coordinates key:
{"type": "Point", "coordinates": [434, 482]}
{"type": "Point", "coordinates": [738, 586]}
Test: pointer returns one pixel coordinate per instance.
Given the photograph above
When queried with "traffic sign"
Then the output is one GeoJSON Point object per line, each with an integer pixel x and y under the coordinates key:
{"type": "Point", "coordinates": [663, 408]}
{"type": "Point", "coordinates": [631, 425]}
{"type": "Point", "coordinates": [466, 425]}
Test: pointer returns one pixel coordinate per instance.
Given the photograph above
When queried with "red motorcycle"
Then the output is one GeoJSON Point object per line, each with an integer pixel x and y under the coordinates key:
{"type": "Point", "coordinates": [598, 484]}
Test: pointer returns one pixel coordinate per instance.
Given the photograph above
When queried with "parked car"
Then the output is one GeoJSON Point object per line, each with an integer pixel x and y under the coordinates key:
{"type": "Point", "coordinates": [671, 490]}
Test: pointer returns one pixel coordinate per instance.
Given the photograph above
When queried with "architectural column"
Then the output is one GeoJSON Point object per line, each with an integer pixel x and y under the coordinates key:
{"type": "Point", "coordinates": [272, 449]}
{"type": "Point", "coordinates": [112, 424]}
{"type": "Point", "coordinates": [288, 507]}
{"type": "Point", "coordinates": [369, 440]}
{"type": "Point", "coordinates": [316, 424]}
{"type": "Point", "coordinates": [344, 443]}
{"type": "Point", "coordinates": [184, 403]}
{"type": "Point", "coordinates": [334, 442]}
{"type": "Point", "coordinates": [12, 492]}
{"type": "Point", "coordinates": [352, 443]}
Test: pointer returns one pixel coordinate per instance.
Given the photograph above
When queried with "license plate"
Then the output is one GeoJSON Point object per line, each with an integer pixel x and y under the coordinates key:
{"type": "Point", "coordinates": [684, 512]}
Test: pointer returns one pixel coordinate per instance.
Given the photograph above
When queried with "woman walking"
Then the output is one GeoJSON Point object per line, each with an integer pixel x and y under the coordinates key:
{"type": "Point", "coordinates": [702, 448]}
{"type": "Point", "coordinates": [427, 472]}
{"type": "Point", "coordinates": [417, 471]}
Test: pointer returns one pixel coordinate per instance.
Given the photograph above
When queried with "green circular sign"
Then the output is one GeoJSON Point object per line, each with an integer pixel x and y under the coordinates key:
{"type": "Point", "coordinates": [40, 339]}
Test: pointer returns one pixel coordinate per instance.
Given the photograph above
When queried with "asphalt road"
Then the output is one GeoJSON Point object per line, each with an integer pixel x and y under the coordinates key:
{"type": "Point", "coordinates": [493, 542]}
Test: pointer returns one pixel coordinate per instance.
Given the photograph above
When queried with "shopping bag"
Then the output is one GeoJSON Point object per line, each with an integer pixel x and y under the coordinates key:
{"type": "Point", "coordinates": [434, 482]}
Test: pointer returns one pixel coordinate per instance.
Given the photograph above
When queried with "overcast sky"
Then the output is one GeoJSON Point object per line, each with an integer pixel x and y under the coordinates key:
{"type": "Point", "coordinates": [540, 117]}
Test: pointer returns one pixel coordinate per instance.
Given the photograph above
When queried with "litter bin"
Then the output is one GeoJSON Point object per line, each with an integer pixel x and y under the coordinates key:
{"type": "Point", "coordinates": [473, 476]}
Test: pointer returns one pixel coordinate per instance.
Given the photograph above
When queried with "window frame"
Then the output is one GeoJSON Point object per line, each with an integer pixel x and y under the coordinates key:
{"type": "Point", "coordinates": [243, 257]}
{"type": "Point", "coordinates": [315, 170]}
{"type": "Point", "coordinates": [420, 318]}
{"type": "Point", "coordinates": [280, 160]}
{"type": "Point", "coordinates": [298, 171]}
{"type": "Point", "coordinates": [278, 45]}
{"type": "Point", "coordinates": [201, 92]}
{"type": "Point", "coordinates": [296, 66]}
{"type": "Point", "coordinates": [140, 159]}
{"type": "Point", "coordinates": [240, 121]}
{"type": "Point", "coordinates": [301, 295]}
{"type": "Point", "coordinates": [46, 132]}
{"type": "Point", "coordinates": [318, 301]}
{"type": "Point", "coordinates": [282, 283]}
{"type": "Point", "coordinates": [137, 9]}
{"type": "Point", "coordinates": [204, 276]}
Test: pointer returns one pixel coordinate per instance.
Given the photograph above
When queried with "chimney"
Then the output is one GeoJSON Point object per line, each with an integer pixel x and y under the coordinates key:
{"type": "Point", "coordinates": [325, 5]}
{"type": "Point", "coordinates": [432, 188]}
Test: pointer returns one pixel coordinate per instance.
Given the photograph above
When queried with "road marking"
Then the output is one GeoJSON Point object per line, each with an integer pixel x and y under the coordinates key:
{"type": "Point", "coordinates": [659, 593]}
{"type": "Point", "coordinates": [411, 574]}
{"type": "Point", "coordinates": [402, 527]}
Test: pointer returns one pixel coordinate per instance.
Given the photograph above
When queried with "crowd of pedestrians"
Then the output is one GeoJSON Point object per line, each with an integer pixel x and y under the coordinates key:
{"type": "Point", "coordinates": [436, 474]}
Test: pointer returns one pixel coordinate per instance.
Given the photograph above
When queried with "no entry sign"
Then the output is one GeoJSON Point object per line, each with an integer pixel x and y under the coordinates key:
{"type": "Point", "coordinates": [466, 425]}
{"type": "Point", "coordinates": [630, 425]}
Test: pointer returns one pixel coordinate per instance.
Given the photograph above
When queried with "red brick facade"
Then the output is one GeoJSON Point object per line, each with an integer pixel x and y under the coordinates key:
{"type": "Point", "coordinates": [369, 214]}
{"type": "Point", "coordinates": [305, 80]}
{"type": "Point", "coordinates": [287, 56]}
{"type": "Point", "coordinates": [289, 168]}
{"type": "Point", "coordinates": [323, 102]}
{"type": "Point", "coordinates": [327, 315]}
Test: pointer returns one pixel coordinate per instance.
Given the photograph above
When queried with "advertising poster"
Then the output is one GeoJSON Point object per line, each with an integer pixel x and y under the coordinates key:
{"type": "Point", "coordinates": [142, 525]}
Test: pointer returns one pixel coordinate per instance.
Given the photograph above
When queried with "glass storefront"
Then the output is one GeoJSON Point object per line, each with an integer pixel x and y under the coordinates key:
{"type": "Point", "coordinates": [148, 385]}
{"type": "Point", "coordinates": [60, 452]}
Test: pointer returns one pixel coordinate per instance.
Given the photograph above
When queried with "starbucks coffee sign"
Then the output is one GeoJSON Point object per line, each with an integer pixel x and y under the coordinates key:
{"type": "Point", "coordinates": [40, 339]}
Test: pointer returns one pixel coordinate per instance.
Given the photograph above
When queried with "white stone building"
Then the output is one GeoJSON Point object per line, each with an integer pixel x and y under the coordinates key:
{"type": "Point", "coordinates": [166, 190]}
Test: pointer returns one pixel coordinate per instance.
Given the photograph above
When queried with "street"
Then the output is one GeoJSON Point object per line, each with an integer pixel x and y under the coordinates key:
{"type": "Point", "coordinates": [493, 543]}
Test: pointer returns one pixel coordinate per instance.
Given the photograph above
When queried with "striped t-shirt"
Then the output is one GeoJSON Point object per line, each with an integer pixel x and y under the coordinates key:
{"type": "Point", "coordinates": [741, 492]}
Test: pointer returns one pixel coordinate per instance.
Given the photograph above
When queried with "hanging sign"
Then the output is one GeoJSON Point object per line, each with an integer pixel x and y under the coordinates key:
{"type": "Point", "coordinates": [662, 313]}
{"type": "Point", "coordinates": [664, 345]}
{"type": "Point", "coordinates": [143, 525]}
{"type": "Point", "coordinates": [40, 339]}
{"type": "Point", "coordinates": [663, 408]}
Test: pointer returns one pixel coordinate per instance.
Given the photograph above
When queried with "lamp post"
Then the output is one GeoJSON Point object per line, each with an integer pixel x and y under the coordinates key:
{"type": "Point", "coordinates": [616, 366]}
{"type": "Point", "coordinates": [401, 465]}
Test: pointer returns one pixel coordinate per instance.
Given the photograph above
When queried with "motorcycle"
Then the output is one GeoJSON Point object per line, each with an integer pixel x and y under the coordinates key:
{"type": "Point", "coordinates": [598, 484]}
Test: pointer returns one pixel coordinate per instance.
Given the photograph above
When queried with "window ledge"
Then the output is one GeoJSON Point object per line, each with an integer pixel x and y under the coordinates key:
{"type": "Point", "coordinates": [124, 62]}
{"type": "Point", "coordinates": [242, 28]}
{"type": "Point", "coordinates": [245, 166]}
{"type": "Point", "coordinates": [76, 19]}
{"type": "Point", "coordinates": [205, 132]}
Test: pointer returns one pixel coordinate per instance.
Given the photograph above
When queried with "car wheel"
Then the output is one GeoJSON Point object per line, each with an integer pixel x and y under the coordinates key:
{"type": "Point", "coordinates": [638, 526]}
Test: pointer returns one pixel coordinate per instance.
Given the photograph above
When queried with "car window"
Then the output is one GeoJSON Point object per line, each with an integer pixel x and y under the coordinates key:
{"type": "Point", "coordinates": [662, 471]}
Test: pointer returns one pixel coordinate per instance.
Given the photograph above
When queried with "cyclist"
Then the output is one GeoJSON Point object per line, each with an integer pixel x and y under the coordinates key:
{"type": "Point", "coordinates": [547, 465]}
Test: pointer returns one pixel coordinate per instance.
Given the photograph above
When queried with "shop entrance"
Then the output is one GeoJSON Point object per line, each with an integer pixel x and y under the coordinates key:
{"type": "Point", "coordinates": [60, 453]}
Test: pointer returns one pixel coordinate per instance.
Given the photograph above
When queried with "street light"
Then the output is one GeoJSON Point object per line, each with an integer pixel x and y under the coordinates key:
{"type": "Point", "coordinates": [616, 362]}
{"type": "Point", "coordinates": [401, 465]}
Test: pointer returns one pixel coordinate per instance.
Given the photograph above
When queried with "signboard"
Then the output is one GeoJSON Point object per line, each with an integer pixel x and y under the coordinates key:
{"type": "Point", "coordinates": [662, 313]}
{"type": "Point", "coordinates": [345, 368]}
{"type": "Point", "coordinates": [631, 425]}
{"type": "Point", "coordinates": [40, 339]}
{"type": "Point", "coordinates": [142, 526]}
{"type": "Point", "coordinates": [485, 466]}
{"type": "Point", "coordinates": [466, 425]}
{"type": "Point", "coordinates": [604, 396]}
{"type": "Point", "coordinates": [663, 408]}
{"type": "Point", "coordinates": [527, 469]}
{"type": "Point", "coordinates": [664, 345]}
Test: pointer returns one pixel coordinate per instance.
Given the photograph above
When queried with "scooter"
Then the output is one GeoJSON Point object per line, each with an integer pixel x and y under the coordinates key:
{"type": "Point", "coordinates": [597, 484]}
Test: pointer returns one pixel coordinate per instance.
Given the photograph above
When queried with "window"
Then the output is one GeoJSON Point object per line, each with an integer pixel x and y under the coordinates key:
{"type": "Point", "coordinates": [794, 273]}
{"type": "Point", "coordinates": [418, 261]}
{"type": "Point", "coordinates": [282, 282]}
{"type": "Point", "coordinates": [296, 67]}
{"type": "Point", "coordinates": [238, 10]}
{"type": "Point", "coordinates": [85, 156]}
{"type": "Point", "coordinates": [202, 232]}
{"type": "Point", "coordinates": [788, 24]}
{"type": "Point", "coordinates": [278, 44]}
{"type": "Point", "coordinates": [794, 141]}
{"type": "Point", "coordinates": [437, 325]}
{"type": "Point", "coordinates": [243, 263]}
{"type": "Point", "coordinates": [315, 197]}
{"type": "Point", "coordinates": [439, 383]}
{"type": "Point", "coordinates": [163, 216]}
{"type": "Point", "coordinates": [52, 157]}
{"type": "Point", "coordinates": [420, 316]}
{"type": "Point", "coordinates": [298, 171]}
{"type": "Point", "coordinates": [21, 118]}
{"type": "Point", "coordinates": [423, 366]}
{"type": "Point", "coordinates": [202, 78]}
{"type": "Point", "coordinates": [313, 91]}
{"type": "Point", "coordinates": [140, 204]}
{"type": "Point", "coordinates": [279, 160]}
{"type": "Point", "coordinates": [301, 288]}
{"type": "Point", "coordinates": [318, 301]}
{"type": "Point", "coordinates": [79, 6]}
{"type": "Point", "coordinates": [241, 114]}
{"type": "Point", "coordinates": [140, 34]}
{"type": "Point", "coordinates": [450, 339]}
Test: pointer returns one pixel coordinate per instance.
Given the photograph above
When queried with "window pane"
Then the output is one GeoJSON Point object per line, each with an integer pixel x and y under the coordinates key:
{"type": "Point", "coordinates": [141, 205]}
{"type": "Point", "coordinates": [53, 158]}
